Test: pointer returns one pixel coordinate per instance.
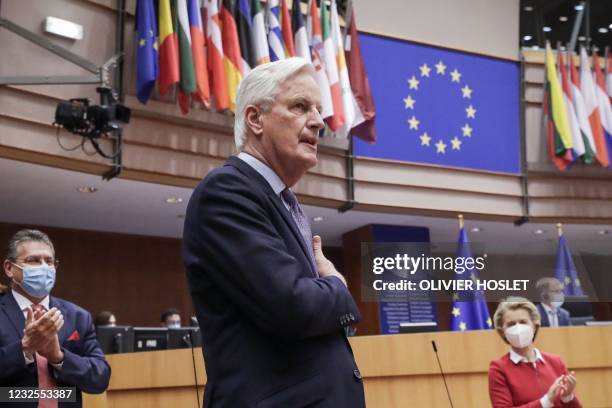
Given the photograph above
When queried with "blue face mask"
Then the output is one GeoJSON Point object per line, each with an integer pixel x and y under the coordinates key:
{"type": "Point", "coordinates": [38, 280]}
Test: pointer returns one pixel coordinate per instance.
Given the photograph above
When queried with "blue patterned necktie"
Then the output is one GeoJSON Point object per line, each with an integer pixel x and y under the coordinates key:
{"type": "Point", "coordinates": [301, 221]}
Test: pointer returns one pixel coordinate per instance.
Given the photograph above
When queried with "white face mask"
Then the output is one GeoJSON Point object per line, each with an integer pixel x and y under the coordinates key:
{"type": "Point", "coordinates": [520, 335]}
{"type": "Point", "coordinates": [557, 300]}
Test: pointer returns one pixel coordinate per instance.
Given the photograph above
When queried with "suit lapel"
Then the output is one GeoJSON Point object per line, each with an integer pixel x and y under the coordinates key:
{"type": "Point", "coordinates": [544, 316]}
{"type": "Point", "coordinates": [65, 330]}
{"type": "Point", "coordinates": [251, 173]}
{"type": "Point", "coordinates": [11, 309]}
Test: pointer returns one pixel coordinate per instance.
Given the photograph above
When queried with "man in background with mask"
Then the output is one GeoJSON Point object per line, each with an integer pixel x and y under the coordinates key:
{"type": "Point", "coordinates": [171, 318]}
{"type": "Point", "coordinates": [551, 298]}
{"type": "Point", "coordinates": [45, 342]}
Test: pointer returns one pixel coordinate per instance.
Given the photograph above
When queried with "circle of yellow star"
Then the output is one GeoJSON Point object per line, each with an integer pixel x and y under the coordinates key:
{"type": "Point", "coordinates": [142, 42]}
{"type": "Point", "coordinates": [440, 68]}
{"type": "Point", "coordinates": [455, 75]}
{"type": "Point", "coordinates": [577, 282]}
{"type": "Point", "coordinates": [466, 91]}
{"type": "Point", "coordinates": [155, 45]}
{"type": "Point", "coordinates": [456, 312]}
{"type": "Point", "coordinates": [462, 326]}
{"type": "Point", "coordinates": [425, 138]}
{"type": "Point", "coordinates": [489, 322]}
{"type": "Point", "coordinates": [425, 70]}
{"type": "Point", "coordinates": [471, 112]}
{"type": "Point", "coordinates": [414, 123]}
{"type": "Point", "coordinates": [457, 146]}
{"type": "Point", "coordinates": [414, 83]}
{"type": "Point", "coordinates": [567, 280]}
{"type": "Point", "coordinates": [440, 147]}
{"type": "Point", "coordinates": [467, 130]}
{"type": "Point", "coordinates": [409, 102]}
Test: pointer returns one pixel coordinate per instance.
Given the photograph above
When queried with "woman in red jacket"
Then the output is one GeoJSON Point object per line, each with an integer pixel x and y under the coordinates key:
{"type": "Point", "coordinates": [526, 377]}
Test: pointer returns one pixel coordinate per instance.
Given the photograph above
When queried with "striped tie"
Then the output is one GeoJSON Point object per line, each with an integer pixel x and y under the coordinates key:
{"type": "Point", "coordinates": [301, 221]}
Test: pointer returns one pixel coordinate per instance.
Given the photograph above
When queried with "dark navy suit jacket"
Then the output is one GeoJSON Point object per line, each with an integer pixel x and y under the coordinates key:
{"type": "Point", "coordinates": [84, 364]}
{"type": "Point", "coordinates": [272, 331]}
{"type": "Point", "coordinates": [563, 316]}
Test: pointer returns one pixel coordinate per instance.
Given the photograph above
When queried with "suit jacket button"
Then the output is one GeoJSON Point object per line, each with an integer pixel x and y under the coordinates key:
{"type": "Point", "coordinates": [357, 374]}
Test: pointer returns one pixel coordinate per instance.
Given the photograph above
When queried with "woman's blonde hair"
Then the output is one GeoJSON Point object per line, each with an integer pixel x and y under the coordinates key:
{"type": "Point", "coordinates": [515, 303]}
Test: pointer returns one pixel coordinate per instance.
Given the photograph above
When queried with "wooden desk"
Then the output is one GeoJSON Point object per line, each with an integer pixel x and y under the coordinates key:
{"type": "Point", "coordinates": [399, 371]}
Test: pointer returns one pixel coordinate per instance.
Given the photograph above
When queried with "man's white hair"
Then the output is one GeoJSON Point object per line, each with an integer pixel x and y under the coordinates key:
{"type": "Point", "coordinates": [260, 87]}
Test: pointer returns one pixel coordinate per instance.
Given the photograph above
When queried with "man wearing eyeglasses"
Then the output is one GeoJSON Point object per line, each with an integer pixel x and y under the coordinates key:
{"type": "Point", "coordinates": [45, 342]}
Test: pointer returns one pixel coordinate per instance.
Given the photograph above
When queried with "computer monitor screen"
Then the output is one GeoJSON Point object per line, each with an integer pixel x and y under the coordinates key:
{"type": "Point", "coordinates": [418, 327]}
{"type": "Point", "coordinates": [184, 337]}
{"type": "Point", "coordinates": [150, 338]}
{"type": "Point", "coordinates": [115, 339]}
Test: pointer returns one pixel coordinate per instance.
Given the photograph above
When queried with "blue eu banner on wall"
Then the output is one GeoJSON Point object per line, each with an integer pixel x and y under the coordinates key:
{"type": "Point", "coordinates": [442, 107]}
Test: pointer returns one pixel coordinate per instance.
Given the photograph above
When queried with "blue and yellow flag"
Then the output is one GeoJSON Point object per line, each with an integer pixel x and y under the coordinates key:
{"type": "Point", "coordinates": [147, 62]}
{"type": "Point", "coordinates": [472, 313]}
{"type": "Point", "coordinates": [565, 270]}
{"type": "Point", "coordinates": [442, 107]}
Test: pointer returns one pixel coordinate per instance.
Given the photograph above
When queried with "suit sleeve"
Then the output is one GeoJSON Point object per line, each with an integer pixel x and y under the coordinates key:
{"type": "Point", "coordinates": [499, 392]}
{"type": "Point", "coordinates": [231, 233]}
{"type": "Point", "coordinates": [11, 361]}
{"type": "Point", "coordinates": [87, 370]}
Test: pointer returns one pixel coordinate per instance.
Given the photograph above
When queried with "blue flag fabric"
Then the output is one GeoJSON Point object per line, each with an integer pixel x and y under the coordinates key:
{"type": "Point", "coordinates": [565, 270]}
{"type": "Point", "coordinates": [147, 60]}
{"type": "Point", "coordinates": [470, 314]}
{"type": "Point", "coordinates": [442, 107]}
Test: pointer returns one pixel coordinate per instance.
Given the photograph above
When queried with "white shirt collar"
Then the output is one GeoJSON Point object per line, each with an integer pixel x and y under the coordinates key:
{"type": "Point", "coordinates": [517, 358]}
{"type": "Point", "coordinates": [24, 302]}
{"type": "Point", "coordinates": [266, 172]}
{"type": "Point", "coordinates": [549, 309]}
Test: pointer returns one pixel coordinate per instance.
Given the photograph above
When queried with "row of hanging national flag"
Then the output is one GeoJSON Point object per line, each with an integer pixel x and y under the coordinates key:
{"type": "Point", "coordinates": [577, 106]}
{"type": "Point", "coordinates": [204, 49]}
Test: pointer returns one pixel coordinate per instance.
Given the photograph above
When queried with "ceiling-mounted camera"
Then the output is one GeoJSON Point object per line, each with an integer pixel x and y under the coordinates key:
{"type": "Point", "coordinates": [80, 117]}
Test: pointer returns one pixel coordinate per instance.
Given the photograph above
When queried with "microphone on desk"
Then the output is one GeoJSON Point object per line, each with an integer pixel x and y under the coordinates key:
{"type": "Point", "coordinates": [433, 343]}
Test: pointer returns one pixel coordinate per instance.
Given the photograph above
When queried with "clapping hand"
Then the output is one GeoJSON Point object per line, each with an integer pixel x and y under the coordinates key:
{"type": "Point", "coordinates": [41, 331]}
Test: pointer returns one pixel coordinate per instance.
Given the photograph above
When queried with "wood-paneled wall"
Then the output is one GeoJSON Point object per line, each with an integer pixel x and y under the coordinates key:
{"type": "Point", "coordinates": [135, 277]}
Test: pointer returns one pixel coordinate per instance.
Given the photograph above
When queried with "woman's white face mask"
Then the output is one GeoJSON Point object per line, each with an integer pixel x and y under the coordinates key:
{"type": "Point", "coordinates": [519, 335]}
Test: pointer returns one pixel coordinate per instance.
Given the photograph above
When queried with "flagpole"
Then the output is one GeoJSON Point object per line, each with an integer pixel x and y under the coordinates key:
{"type": "Point", "coordinates": [460, 217]}
{"type": "Point", "coordinates": [559, 229]}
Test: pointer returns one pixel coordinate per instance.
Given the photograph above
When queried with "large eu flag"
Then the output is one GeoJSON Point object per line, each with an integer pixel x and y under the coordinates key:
{"type": "Point", "coordinates": [442, 107]}
{"type": "Point", "coordinates": [469, 311]}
